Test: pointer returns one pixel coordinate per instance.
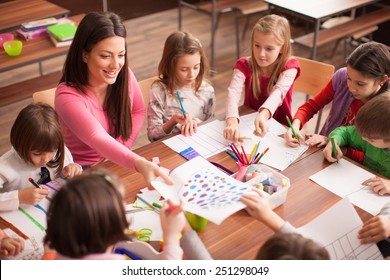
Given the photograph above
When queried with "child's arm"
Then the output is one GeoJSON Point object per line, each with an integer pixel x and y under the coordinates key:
{"type": "Point", "coordinates": [259, 208]}
{"type": "Point", "coordinates": [274, 100]}
{"type": "Point", "coordinates": [72, 170]}
{"type": "Point", "coordinates": [316, 140]}
{"type": "Point", "coordinates": [172, 223]}
{"type": "Point", "coordinates": [375, 229]}
{"type": "Point", "coordinates": [231, 131]}
{"type": "Point", "coordinates": [11, 246]}
{"type": "Point", "coordinates": [379, 185]}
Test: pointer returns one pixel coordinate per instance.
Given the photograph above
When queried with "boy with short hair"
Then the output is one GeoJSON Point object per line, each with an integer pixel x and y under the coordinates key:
{"type": "Point", "coordinates": [371, 134]}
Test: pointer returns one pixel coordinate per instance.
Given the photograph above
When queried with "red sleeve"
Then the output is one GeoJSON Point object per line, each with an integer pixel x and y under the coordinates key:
{"type": "Point", "coordinates": [355, 155]}
{"type": "Point", "coordinates": [315, 104]}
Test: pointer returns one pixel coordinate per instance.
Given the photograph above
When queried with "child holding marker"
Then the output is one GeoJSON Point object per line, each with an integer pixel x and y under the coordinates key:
{"type": "Point", "coordinates": [37, 146]}
{"type": "Point", "coordinates": [366, 75]}
{"type": "Point", "coordinates": [268, 76]}
{"type": "Point", "coordinates": [371, 134]}
{"type": "Point", "coordinates": [88, 232]}
{"type": "Point", "coordinates": [181, 98]}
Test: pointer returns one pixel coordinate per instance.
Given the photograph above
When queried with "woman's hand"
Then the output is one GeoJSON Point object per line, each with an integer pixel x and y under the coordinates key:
{"type": "Point", "coordinates": [150, 171]}
{"type": "Point", "coordinates": [231, 131]}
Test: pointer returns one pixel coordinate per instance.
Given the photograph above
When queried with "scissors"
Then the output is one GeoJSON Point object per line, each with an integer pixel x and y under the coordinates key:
{"type": "Point", "coordinates": [142, 235]}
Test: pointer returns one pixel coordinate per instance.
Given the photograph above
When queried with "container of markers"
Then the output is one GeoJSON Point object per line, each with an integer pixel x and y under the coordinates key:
{"type": "Point", "coordinates": [274, 185]}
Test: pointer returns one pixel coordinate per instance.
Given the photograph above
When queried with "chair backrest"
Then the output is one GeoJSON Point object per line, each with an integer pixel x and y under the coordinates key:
{"type": "Point", "coordinates": [45, 96]}
{"type": "Point", "coordinates": [145, 86]}
{"type": "Point", "coordinates": [314, 76]}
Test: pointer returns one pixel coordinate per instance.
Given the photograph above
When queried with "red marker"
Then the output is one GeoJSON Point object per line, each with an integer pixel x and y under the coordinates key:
{"type": "Point", "coordinates": [34, 183]}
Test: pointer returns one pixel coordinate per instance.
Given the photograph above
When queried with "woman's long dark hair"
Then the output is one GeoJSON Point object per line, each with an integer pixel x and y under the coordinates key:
{"type": "Point", "coordinates": [94, 28]}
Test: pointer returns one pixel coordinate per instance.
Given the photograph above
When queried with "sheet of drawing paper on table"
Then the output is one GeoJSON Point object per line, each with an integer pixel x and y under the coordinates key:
{"type": "Point", "coordinates": [336, 229]}
{"type": "Point", "coordinates": [204, 190]}
{"type": "Point", "coordinates": [146, 219]}
{"type": "Point", "coordinates": [279, 155]}
{"type": "Point", "coordinates": [345, 180]}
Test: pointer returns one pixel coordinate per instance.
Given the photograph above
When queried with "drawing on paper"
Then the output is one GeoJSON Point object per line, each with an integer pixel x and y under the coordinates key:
{"type": "Point", "coordinates": [207, 189]}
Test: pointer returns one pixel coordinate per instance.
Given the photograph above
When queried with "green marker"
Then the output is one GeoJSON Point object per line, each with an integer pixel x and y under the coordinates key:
{"type": "Point", "coordinates": [334, 150]}
{"type": "Point", "coordinates": [155, 204]}
{"type": "Point", "coordinates": [292, 128]}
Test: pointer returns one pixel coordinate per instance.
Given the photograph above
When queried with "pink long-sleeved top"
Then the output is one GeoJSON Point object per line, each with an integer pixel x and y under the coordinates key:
{"type": "Point", "coordinates": [85, 125]}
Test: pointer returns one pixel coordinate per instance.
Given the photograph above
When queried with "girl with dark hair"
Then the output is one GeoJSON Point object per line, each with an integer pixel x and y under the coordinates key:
{"type": "Point", "coordinates": [38, 152]}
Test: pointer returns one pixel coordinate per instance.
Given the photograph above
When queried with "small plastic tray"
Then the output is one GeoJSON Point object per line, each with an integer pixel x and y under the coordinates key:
{"type": "Point", "coordinates": [279, 197]}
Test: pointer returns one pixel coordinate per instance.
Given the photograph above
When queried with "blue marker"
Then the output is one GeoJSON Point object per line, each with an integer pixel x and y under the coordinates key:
{"type": "Point", "coordinates": [181, 103]}
{"type": "Point", "coordinates": [127, 253]}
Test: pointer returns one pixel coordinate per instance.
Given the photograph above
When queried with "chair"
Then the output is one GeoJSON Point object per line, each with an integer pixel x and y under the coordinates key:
{"type": "Point", "coordinates": [215, 8]}
{"type": "Point", "coordinates": [314, 77]}
{"type": "Point", "coordinates": [145, 86]}
{"type": "Point", "coordinates": [45, 96]}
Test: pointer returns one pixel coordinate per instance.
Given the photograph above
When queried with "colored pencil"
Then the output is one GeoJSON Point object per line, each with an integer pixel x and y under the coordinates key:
{"type": "Point", "coordinates": [334, 149]}
{"type": "Point", "coordinates": [181, 103]}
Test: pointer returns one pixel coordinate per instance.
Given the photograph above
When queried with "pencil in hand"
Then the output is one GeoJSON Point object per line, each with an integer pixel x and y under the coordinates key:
{"type": "Point", "coordinates": [181, 103]}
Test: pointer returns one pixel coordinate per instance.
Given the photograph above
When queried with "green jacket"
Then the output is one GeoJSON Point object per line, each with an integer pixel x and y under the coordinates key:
{"type": "Point", "coordinates": [375, 159]}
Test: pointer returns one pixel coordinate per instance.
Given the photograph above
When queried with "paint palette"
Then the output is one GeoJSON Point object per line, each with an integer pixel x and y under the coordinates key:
{"type": "Point", "coordinates": [207, 189]}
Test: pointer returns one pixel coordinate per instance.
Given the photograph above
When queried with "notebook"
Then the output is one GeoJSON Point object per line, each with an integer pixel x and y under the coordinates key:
{"type": "Point", "coordinates": [63, 31]}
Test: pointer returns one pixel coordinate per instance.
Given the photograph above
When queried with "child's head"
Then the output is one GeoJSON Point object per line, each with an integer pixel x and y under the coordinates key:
{"type": "Point", "coordinates": [291, 246]}
{"type": "Point", "coordinates": [373, 121]}
{"type": "Point", "coordinates": [270, 48]}
{"type": "Point", "coordinates": [183, 62]}
{"type": "Point", "coordinates": [87, 215]}
{"type": "Point", "coordinates": [368, 70]}
{"type": "Point", "coordinates": [37, 137]}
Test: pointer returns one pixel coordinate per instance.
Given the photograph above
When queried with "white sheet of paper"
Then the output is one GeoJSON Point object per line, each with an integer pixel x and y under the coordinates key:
{"type": "Point", "coordinates": [209, 139]}
{"type": "Point", "coordinates": [147, 219]}
{"type": "Point", "coordinates": [211, 194]}
{"type": "Point", "coordinates": [336, 229]}
{"type": "Point", "coordinates": [279, 155]}
{"type": "Point", "coordinates": [345, 180]}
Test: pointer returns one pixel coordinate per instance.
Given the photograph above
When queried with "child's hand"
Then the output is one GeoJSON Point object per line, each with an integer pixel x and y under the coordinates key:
{"type": "Point", "coordinates": [150, 171]}
{"type": "Point", "coordinates": [328, 152]}
{"type": "Point", "coordinates": [261, 123]}
{"type": "Point", "coordinates": [291, 140]}
{"type": "Point", "coordinates": [172, 222]}
{"type": "Point", "coordinates": [231, 131]}
{"type": "Point", "coordinates": [260, 209]}
{"type": "Point", "coordinates": [190, 127]}
{"type": "Point", "coordinates": [316, 140]}
{"type": "Point", "coordinates": [72, 170]}
{"type": "Point", "coordinates": [32, 195]}
{"type": "Point", "coordinates": [11, 246]}
{"type": "Point", "coordinates": [375, 229]}
{"type": "Point", "coordinates": [379, 185]}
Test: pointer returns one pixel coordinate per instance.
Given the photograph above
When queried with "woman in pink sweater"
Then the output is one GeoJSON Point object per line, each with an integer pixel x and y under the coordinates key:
{"type": "Point", "coordinates": [98, 100]}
